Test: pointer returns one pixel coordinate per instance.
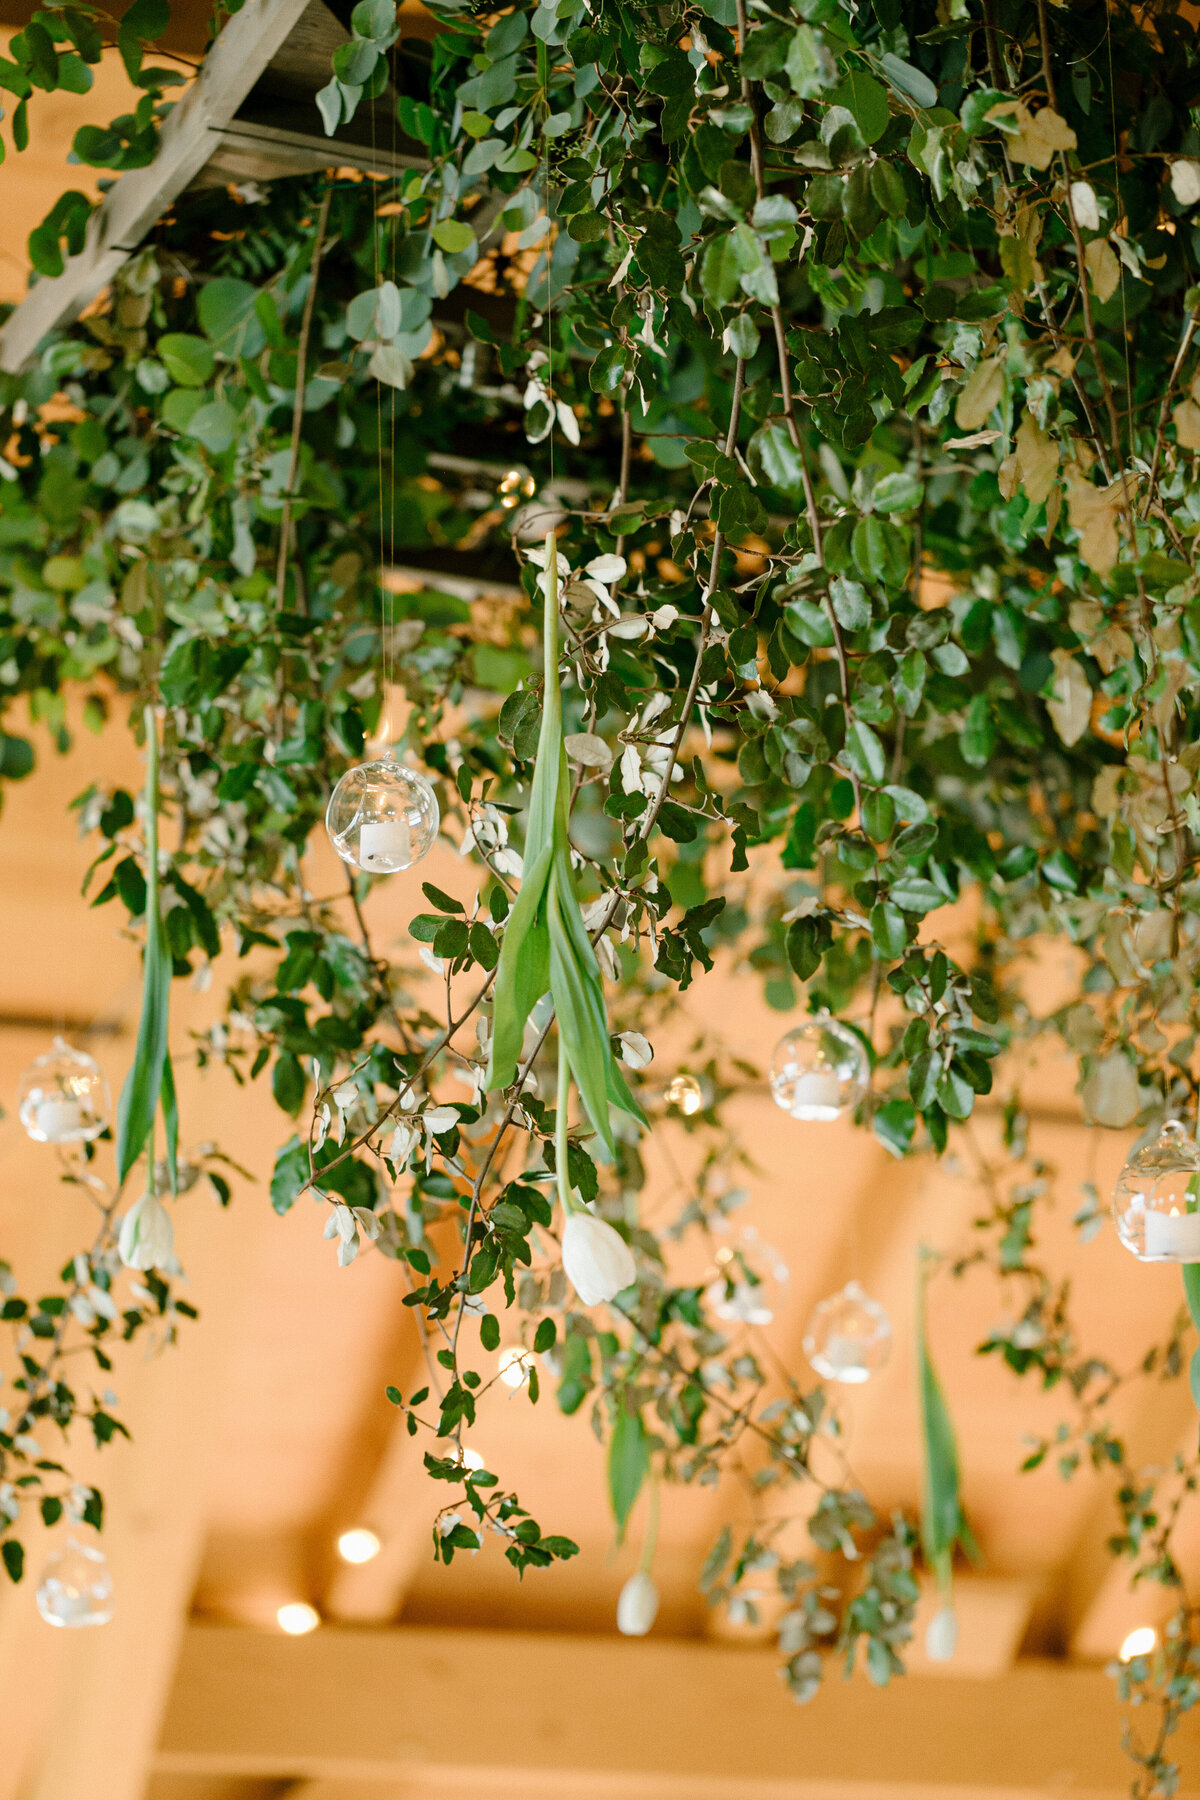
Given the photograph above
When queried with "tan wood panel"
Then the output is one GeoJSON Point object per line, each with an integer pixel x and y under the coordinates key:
{"type": "Point", "coordinates": [460, 1706]}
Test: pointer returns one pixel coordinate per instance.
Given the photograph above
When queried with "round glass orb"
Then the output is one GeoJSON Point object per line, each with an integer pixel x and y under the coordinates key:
{"type": "Point", "coordinates": [76, 1589]}
{"type": "Point", "coordinates": [819, 1070]}
{"type": "Point", "coordinates": [685, 1093]}
{"type": "Point", "coordinates": [849, 1336]}
{"type": "Point", "coordinates": [1156, 1202]}
{"type": "Point", "coordinates": [382, 817]}
{"type": "Point", "coordinates": [63, 1097]}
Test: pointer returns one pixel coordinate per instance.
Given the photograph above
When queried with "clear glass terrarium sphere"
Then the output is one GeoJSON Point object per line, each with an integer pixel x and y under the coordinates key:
{"type": "Point", "coordinates": [382, 817]}
{"type": "Point", "coordinates": [749, 1276]}
{"type": "Point", "coordinates": [1156, 1202]}
{"type": "Point", "coordinates": [76, 1589]}
{"type": "Point", "coordinates": [819, 1070]}
{"type": "Point", "coordinates": [63, 1097]}
{"type": "Point", "coordinates": [849, 1336]}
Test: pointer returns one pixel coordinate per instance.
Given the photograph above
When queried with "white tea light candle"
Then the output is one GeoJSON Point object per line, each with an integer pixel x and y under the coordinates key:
{"type": "Point", "coordinates": [846, 1358]}
{"type": "Point", "coordinates": [58, 1119]}
{"type": "Point", "coordinates": [1173, 1236]}
{"type": "Point", "coordinates": [385, 845]}
{"type": "Point", "coordinates": [817, 1095]}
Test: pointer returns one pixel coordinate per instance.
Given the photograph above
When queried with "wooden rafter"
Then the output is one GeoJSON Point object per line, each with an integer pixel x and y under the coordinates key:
{"type": "Point", "coordinates": [249, 114]}
{"type": "Point", "coordinates": [507, 1713]}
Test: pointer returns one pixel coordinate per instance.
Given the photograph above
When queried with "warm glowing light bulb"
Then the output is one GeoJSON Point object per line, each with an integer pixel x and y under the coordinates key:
{"type": "Point", "coordinates": [471, 1459]}
{"type": "Point", "coordinates": [358, 1545]}
{"type": "Point", "coordinates": [297, 1618]}
{"type": "Point", "coordinates": [685, 1092]}
{"type": "Point", "coordinates": [514, 1366]}
{"type": "Point", "coordinates": [1139, 1643]}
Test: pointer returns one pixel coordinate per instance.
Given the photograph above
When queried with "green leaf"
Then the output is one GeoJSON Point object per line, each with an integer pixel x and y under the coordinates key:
{"type": "Point", "coordinates": [864, 752]}
{"type": "Point", "coordinates": [908, 81]}
{"type": "Point", "coordinates": [215, 426]}
{"type": "Point", "coordinates": [1191, 1290]}
{"type": "Point", "coordinates": [189, 360]}
{"type": "Point", "coordinates": [453, 236]}
{"type": "Point", "coordinates": [774, 458]}
{"type": "Point", "coordinates": [143, 1085]}
{"type": "Point", "coordinates": [225, 308]}
{"type": "Point", "coordinates": [628, 1465]}
{"type": "Point", "coordinates": [170, 1111]}
{"type": "Point", "coordinates": [943, 1524]}
{"type": "Point", "coordinates": [544, 1337]}
{"type": "Point", "coordinates": [728, 257]}
{"type": "Point", "coordinates": [889, 933]}
{"type": "Point", "coordinates": [288, 1083]}
{"type": "Point", "coordinates": [862, 95]}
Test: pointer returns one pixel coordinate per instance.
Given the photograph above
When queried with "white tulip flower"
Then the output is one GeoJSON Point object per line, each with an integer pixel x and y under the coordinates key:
{"type": "Point", "coordinates": [637, 1607]}
{"type": "Point", "coordinates": [941, 1636]}
{"type": "Point", "coordinates": [596, 1259]}
{"type": "Point", "coordinates": [147, 1237]}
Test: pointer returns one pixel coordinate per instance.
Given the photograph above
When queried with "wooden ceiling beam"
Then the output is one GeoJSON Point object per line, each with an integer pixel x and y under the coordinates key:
{"type": "Point", "coordinates": [140, 198]}
{"type": "Point", "coordinates": [499, 1712]}
{"type": "Point", "coordinates": [249, 114]}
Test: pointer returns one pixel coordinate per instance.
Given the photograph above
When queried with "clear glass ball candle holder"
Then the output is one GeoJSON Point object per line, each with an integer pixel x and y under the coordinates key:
{"type": "Point", "coordinates": [382, 817]}
{"type": "Point", "coordinates": [849, 1336]}
{"type": "Point", "coordinates": [63, 1097]}
{"type": "Point", "coordinates": [76, 1588]}
{"type": "Point", "coordinates": [819, 1071]}
{"type": "Point", "coordinates": [1156, 1201]}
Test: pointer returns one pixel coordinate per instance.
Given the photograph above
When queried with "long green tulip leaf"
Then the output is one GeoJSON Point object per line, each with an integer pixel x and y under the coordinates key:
{"type": "Point", "coordinates": [619, 1094]}
{"type": "Point", "coordinates": [628, 1465]}
{"type": "Point", "coordinates": [523, 972]}
{"type": "Point", "coordinates": [582, 1021]}
{"type": "Point", "coordinates": [1191, 1290]}
{"type": "Point", "coordinates": [545, 940]}
{"type": "Point", "coordinates": [170, 1110]}
{"type": "Point", "coordinates": [144, 1083]}
{"type": "Point", "coordinates": [943, 1523]}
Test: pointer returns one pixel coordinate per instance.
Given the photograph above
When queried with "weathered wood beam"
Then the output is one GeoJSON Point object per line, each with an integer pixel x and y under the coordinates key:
{"type": "Point", "coordinates": [141, 197]}
{"type": "Point", "coordinates": [500, 1712]}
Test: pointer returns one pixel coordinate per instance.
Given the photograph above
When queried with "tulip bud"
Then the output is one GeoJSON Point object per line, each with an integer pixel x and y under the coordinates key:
{"type": "Point", "coordinates": [596, 1259]}
{"type": "Point", "coordinates": [941, 1636]}
{"type": "Point", "coordinates": [637, 1607]}
{"type": "Point", "coordinates": [147, 1236]}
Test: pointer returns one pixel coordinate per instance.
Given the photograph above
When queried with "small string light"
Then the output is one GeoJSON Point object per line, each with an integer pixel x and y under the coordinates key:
{"type": "Point", "coordinates": [358, 1545]}
{"type": "Point", "coordinates": [297, 1618]}
{"type": "Point", "coordinates": [1140, 1642]}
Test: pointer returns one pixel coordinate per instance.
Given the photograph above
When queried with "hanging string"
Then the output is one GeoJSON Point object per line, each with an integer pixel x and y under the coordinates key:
{"type": "Point", "coordinates": [383, 731]}
{"type": "Point", "coordinates": [389, 598]}
{"type": "Point", "coordinates": [1112, 103]}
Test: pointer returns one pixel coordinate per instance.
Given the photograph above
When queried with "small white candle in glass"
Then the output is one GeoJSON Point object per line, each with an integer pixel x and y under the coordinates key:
{"type": "Point", "coordinates": [817, 1094]}
{"type": "Point", "coordinates": [846, 1359]}
{"type": "Point", "coordinates": [58, 1117]}
{"type": "Point", "coordinates": [1173, 1236]}
{"type": "Point", "coordinates": [385, 844]}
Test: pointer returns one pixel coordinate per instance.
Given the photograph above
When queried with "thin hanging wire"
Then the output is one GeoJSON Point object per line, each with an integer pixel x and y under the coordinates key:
{"type": "Point", "coordinates": [383, 728]}
{"type": "Point", "coordinates": [1112, 103]}
{"type": "Point", "coordinates": [389, 598]}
